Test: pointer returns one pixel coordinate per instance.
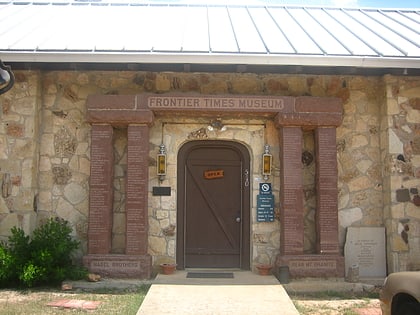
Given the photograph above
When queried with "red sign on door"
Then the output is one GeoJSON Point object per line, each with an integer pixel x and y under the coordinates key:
{"type": "Point", "coordinates": [214, 174]}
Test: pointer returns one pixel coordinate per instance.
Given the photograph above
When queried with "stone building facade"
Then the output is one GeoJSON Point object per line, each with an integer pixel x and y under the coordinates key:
{"type": "Point", "coordinates": [46, 149]}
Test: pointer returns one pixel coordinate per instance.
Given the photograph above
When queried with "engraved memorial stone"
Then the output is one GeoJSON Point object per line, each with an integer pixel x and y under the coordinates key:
{"type": "Point", "coordinates": [137, 180]}
{"type": "Point", "coordinates": [365, 247]}
{"type": "Point", "coordinates": [326, 179]}
{"type": "Point", "coordinates": [292, 193]}
{"type": "Point", "coordinates": [101, 198]}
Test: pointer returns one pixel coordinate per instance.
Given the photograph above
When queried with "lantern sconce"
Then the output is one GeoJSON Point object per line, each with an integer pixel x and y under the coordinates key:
{"type": "Point", "coordinates": [267, 162]}
{"type": "Point", "coordinates": [7, 78]}
{"type": "Point", "coordinates": [161, 162]}
{"type": "Point", "coordinates": [216, 125]}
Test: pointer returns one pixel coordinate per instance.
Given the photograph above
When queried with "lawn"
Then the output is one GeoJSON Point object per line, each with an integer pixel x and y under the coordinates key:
{"type": "Point", "coordinates": [34, 301]}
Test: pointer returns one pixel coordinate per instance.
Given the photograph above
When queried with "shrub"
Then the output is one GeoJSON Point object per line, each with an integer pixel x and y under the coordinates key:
{"type": "Point", "coordinates": [6, 265]}
{"type": "Point", "coordinates": [13, 256]}
{"type": "Point", "coordinates": [46, 259]}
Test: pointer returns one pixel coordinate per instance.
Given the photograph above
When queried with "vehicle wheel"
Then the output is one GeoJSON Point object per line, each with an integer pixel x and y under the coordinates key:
{"type": "Point", "coordinates": [410, 308]}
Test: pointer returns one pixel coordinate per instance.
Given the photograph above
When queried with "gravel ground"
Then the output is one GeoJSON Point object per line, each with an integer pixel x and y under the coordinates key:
{"type": "Point", "coordinates": [365, 306]}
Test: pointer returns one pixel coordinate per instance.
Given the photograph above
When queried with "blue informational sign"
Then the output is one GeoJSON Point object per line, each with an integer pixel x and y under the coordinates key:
{"type": "Point", "coordinates": [265, 204]}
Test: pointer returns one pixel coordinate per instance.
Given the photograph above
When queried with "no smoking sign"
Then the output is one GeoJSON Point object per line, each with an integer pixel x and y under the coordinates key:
{"type": "Point", "coordinates": [265, 189]}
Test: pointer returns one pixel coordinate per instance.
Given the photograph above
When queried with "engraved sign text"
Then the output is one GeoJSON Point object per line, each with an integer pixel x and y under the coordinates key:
{"type": "Point", "coordinates": [203, 102]}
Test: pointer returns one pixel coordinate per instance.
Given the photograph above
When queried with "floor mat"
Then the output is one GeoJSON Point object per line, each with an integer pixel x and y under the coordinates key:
{"type": "Point", "coordinates": [213, 275]}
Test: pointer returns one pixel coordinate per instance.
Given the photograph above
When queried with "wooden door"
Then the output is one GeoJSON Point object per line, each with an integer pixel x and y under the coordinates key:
{"type": "Point", "coordinates": [214, 205]}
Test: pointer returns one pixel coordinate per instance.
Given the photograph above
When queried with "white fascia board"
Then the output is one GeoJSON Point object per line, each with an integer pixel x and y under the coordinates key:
{"type": "Point", "coordinates": [210, 58]}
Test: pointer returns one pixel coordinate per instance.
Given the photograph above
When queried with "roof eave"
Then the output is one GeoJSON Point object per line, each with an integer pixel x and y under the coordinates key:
{"type": "Point", "coordinates": [209, 58]}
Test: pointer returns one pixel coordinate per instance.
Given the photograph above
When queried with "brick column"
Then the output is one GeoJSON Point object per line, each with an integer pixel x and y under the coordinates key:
{"type": "Point", "coordinates": [291, 194]}
{"type": "Point", "coordinates": [101, 190]}
{"type": "Point", "coordinates": [119, 110]}
{"type": "Point", "coordinates": [327, 192]}
{"type": "Point", "coordinates": [137, 189]}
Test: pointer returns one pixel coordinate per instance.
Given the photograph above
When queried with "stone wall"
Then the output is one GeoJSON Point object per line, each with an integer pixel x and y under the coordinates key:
{"type": "Point", "coordinates": [45, 154]}
{"type": "Point", "coordinates": [19, 153]}
{"type": "Point", "coordinates": [162, 209]}
{"type": "Point", "coordinates": [401, 156]}
{"type": "Point", "coordinates": [358, 151]}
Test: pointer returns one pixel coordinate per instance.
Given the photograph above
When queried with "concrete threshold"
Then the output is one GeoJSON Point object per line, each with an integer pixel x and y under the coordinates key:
{"type": "Point", "coordinates": [246, 293]}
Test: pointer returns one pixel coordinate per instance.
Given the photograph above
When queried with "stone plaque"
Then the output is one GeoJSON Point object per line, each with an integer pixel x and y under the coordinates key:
{"type": "Point", "coordinates": [212, 102]}
{"type": "Point", "coordinates": [291, 195]}
{"type": "Point", "coordinates": [137, 184]}
{"type": "Point", "coordinates": [101, 190]}
{"type": "Point", "coordinates": [325, 264]}
{"type": "Point", "coordinates": [313, 265]}
{"type": "Point", "coordinates": [327, 192]}
{"type": "Point", "coordinates": [123, 266]}
{"type": "Point", "coordinates": [365, 247]}
{"type": "Point", "coordinates": [161, 191]}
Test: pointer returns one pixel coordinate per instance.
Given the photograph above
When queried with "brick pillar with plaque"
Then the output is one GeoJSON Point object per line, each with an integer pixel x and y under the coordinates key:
{"type": "Point", "coordinates": [327, 191]}
{"type": "Point", "coordinates": [136, 262]}
{"type": "Point", "coordinates": [327, 261]}
{"type": "Point", "coordinates": [322, 116]}
{"type": "Point", "coordinates": [104, 113]}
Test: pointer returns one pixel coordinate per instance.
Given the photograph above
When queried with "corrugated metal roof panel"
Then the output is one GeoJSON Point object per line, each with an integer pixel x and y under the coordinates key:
{"type": "Point", "coordinates": [167, 26]}
{"type": "Point", "coordinates": [222, 36]}
{"type": "Point", "coordinates": [36, 31]}
{"type": "Point", "coordinates": [403, 36]}
{"type": "Point", "coordinates": [264, 34]}
{"type": "Point", "coordinates": [319, 33]}
{"type": "Point", "coordinates": [271, 34]}
{"type": "Point", "coordinates": [196, 33]}
{"type": "Point", "coordinates": [74, 30]}
{"type": "Point", "coordinates": [347, 38]}
{"type": "Point", "coordinates": [136, 29]}
{"type": "Point", "coordinates": [294, 32]}
{"type": "Point", "coordinates": [407, 19]}
{"type": "Point", "coordinates": [378, 32]}
{"type": "Point", "coordinates": [246, 34]}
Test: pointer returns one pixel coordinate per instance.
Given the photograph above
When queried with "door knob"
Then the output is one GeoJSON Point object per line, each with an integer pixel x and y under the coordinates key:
{"type": "Point", "coordinates": [238, 219]}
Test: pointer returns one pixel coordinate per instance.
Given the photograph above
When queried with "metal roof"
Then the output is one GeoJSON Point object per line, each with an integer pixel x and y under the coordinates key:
{"type": "Point", "coordinates": [95, 31]}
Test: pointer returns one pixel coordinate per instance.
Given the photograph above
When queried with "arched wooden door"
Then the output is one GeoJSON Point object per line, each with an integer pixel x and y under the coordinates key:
{"type": "Point", "coordinates": [213, 216]}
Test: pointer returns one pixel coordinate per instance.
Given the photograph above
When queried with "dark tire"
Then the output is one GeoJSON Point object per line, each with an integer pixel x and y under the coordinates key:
{"type": "Point", "coordinates": [408, 308]}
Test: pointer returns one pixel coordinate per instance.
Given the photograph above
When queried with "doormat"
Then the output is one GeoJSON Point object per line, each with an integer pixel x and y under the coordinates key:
{"type": "Point", "coordinates": [213, 275]}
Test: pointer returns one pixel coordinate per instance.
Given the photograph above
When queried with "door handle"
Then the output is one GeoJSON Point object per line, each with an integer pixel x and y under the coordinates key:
{"type": "Point", "coordinates": [238, 219]}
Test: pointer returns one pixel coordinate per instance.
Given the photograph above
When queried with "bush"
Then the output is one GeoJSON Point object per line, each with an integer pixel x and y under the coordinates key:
{"type": "Point", "coordinates": [6, 265]}
{"type": "Point", "coordinates": [46, 259]}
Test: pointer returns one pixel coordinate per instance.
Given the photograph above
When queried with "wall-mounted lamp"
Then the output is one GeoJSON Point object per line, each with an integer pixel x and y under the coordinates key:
{"type": "Point", "coordinates": [7, 78]}
{"type": "Point", "coordinates": [217, 125]}
{"type": "Point", "coordinates": [161, 162]}
{"type": "Point", "coordinates": [267, 162]}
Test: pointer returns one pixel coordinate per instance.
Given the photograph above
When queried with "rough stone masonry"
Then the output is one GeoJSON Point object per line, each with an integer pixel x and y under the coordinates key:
{"type": "Point", "coordinates": [45, 154]}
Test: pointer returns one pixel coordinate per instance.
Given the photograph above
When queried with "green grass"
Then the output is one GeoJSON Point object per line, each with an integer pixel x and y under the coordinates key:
{"type": "Point", "coordinates": [34, 302]}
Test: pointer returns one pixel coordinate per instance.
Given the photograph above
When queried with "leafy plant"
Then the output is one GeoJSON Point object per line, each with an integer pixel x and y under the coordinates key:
{"type": "Point", "coordinates": [6, 265]}
{"type": "Point", "coordinates": [44, 259]}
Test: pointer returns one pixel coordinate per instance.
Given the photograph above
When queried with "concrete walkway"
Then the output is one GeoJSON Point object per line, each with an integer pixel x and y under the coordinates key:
{"type": "Point", "coordinates": [246, 293]}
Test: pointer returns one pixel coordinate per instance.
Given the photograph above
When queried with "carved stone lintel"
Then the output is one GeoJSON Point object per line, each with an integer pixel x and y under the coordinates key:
{"type": "Point", "coordinates": [198, 134]}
